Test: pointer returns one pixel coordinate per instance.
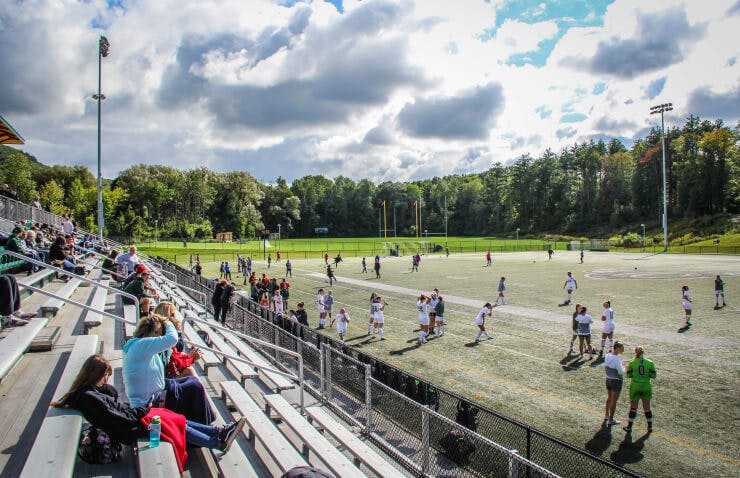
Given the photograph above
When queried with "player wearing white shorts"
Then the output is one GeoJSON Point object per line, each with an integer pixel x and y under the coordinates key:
{"type": "Point", "coordinates": [377, 307]}
{"type": "Point", "coordinates": [342, 322]}
{"type": "Point", "coordinates": [569, 285]}
{"type": "Point", "coordinates": [277, 302]}
{"type": "Point", "coordinates": [686, 304]}
{"type": "Point", "coordinates": [371, 321]}
{"type": "Point", "coordinates": [422, 309]}
{"type": "Point", "coordinates": [608, 331]}
{"type": "Point", "coordinates": [321, 308]}
{"type": "Point", "coordinates": [433, 299]}
{"type": "Point", "coordinates": [480, 321]}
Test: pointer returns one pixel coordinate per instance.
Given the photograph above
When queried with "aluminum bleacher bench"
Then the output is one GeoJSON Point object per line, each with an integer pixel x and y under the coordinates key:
{"type": "Point", "coordinates": [54, 451]}
{"type": "Point", "coordinates": [100, 295]}
{"type": "Point", "coordinates": [52, 305]}
{"type": "Point", "coordinates": [260, 427]}
{"type": "Point", "coordinates": [281, 382]}
{"type": "Point", "coordinates": [129, 313]}
{"type": "Point", "coordinates": [244, 370]}
{"type": "Point", "coordinates": [17, 342]}
{"type": "Point", "coordinates": [352, 443]}
{"type": "Point", "coordinates": [311, 438]}
{"type": "Point", "coordinates": [156, 462]}
{"type": "Point", "coordinates": [234, 463]}
{"type": "Point", "coordinates": [208, 358]}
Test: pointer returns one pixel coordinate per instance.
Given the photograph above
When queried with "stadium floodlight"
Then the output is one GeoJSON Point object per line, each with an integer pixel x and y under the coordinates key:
{"type": "Point", "coordinates": [517, 237]}
{"type": "Point", "coordinates": [654, 110]}
{"type": "Point", "coordinates": [643, 236]}
{"type": "Point", "coordinates": [103, 47]}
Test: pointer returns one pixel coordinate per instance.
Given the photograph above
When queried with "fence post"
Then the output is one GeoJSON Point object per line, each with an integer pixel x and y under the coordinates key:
{"type": "Point", "coordinates": [529, 443]}
{"type": "Point", "coordinates": [513, 464]}
{"type": "Point", "coordinates": [368, 398]}
{"type": "Point", "coordinates": [424, 442]}
{"type": "Point", "coordinates": [322, 370]}
{"type": "Point", "coordinates": [327, 370]}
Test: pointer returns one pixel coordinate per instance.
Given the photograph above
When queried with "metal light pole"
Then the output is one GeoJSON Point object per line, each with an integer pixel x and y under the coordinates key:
{"type": "Point", "coordinates": [156, 230]}
{"type": "Point", "coordinates": [655, 110]}
{"type": "Point", "coordinates": [643, 236]}
{"type": "Point", "coordinates": [103, 46]}
{"type": "Point", "coordinates": [517, 237]}
{"type": "Point", "coordinates": [395, 231]}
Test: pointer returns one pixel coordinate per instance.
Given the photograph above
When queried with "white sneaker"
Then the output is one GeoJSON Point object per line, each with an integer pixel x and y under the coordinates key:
{"type": "Point", "coordinates": [613, 422]}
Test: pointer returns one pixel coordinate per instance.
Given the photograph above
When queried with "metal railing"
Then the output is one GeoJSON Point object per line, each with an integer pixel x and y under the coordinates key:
{"type": "Point", "coordinates": [81, 278]}
{"type": "Point", "coordinates": [19, 211]}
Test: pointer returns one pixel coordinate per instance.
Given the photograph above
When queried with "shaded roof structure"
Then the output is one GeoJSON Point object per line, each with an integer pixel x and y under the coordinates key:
{"type": "Point", "coordinates": [8, 135]}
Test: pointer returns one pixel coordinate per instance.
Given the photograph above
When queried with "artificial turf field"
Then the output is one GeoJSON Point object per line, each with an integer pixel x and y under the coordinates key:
{"type": "Point", "coordinates": [525, 371]}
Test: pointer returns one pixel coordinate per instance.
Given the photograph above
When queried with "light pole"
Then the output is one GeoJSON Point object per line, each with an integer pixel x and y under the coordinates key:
{"type": "Point", "coordinates": [517, 237]}
{"type": "Point", "coordinates": [655, 110]}
{"type": "Point", "coordinates": [643, 236]}
{"type": "Point", "coordinates": [156, 230]}
{"type": "Point", "coordinates": [395, 231]}
{"type": "Point", "coordinates": [103, 46]}
{"type": "Point", "coordinates": [279, 235]}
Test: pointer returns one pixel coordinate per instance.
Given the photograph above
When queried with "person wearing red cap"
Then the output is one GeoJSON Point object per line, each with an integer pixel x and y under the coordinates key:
{"type": "Point", "coordinates": [139, 285]}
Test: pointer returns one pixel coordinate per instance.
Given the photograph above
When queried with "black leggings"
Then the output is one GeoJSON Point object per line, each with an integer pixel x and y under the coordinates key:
{"type": "Point", "coordinates": [10, 294]}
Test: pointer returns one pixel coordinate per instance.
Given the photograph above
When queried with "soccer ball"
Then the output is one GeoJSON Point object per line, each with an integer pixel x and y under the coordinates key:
{"type": "Point", "coordinates": [533, 262]}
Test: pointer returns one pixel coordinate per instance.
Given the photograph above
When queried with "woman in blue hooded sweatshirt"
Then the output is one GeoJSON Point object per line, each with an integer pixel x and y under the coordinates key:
{"type": "Point", "coordinates": [144, 367]}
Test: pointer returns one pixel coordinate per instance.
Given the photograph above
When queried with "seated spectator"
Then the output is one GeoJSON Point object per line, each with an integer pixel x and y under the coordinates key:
{"type": "Point", "coordinates": [143, 372]}
{"type": "Point", "coordinates": [16, 243]}
{"type": "Point", "coordinates": [10, 303]}
{"type": "Point", "coordinates": [9, 193]}
{"type": "Point", "coordinates": [138, 285]}
{"type": "Point", "coordinates": [109, 265]}
{"type": "Point", "coordinates": [179, 364]}
{"type": "Point", "coordinates": [98, 401]}
{"type": "Point", "coordinates": [31, 245]}
{"type": "Point", "coordinates": [59, 255]}
{"type": "Point", "coordinates": [128, 260]}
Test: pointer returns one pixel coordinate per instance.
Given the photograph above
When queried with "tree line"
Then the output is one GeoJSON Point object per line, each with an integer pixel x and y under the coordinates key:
{"type": "Point", "coordinates": [584, 185]}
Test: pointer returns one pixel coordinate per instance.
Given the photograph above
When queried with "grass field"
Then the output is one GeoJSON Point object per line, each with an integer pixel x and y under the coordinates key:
{"type": "Point", "coordinates": [524, 371]}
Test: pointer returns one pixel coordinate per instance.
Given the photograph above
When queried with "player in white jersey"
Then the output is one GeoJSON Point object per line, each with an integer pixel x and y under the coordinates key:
{"type": "Point", "coordinates": [686, 304]}
{"type": "Point", "coordinates": [321, 308]}
{"type": "Point", "coordinates": [372, 318]}
{"type": "Point", "coordinates": [614, 380]}
{"type": "Point", "coordinates": [570, 284]}
{"type": "Point", "coordinates": [584, 332]}
{"type": "Point", "coordinates": [342, 322]}
{"type": "Point", "coordinates": [277, 302]}
{"type": "Point", "coordinates": [501, 289]}
{"type": "Point", "coordinates": [608, 331]}
{"type": "Point", "coordinates": [422, 309]}
{"type": "Point", "coordinates": [480, 320]}
{"type": "Point", "coordinates": [377, 307]}
{"type": "Point", "coordinates": [433, 299]}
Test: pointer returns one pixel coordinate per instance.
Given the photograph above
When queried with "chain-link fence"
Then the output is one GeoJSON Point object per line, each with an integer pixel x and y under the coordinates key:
{"type": "Point", "coordinates": [368, 391]}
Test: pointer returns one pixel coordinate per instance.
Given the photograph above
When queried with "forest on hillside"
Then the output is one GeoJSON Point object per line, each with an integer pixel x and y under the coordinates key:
{"type": "Point", "coordinates": [586, 184]}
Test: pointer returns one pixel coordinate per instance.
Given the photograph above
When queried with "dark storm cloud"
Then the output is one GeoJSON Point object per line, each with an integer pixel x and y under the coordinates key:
{"type": "Point", "coordinates": [658, 43]}
{"type": "Point", "coordinates": [469, 115]}
{"type": "Point", "coordinates": [706, 104]}
{"type": "Point", "coordinates": [606, 124]}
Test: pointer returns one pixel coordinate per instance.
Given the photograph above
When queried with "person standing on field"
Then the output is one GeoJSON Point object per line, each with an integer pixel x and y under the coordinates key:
{"type": "Point", "coordinates": [488, 259]}
{"type": "Point", "coordinates": [569, 284]}
{"type": "Point", "coordinates": [439, 317]}
{"type": "Point", "coordinates": [686, 304]}
{"type": "Point", "coordinates": [614, 380]}
{"type": "Point", "coordinates": [608, 331]}
{"type": "Point", "coordinates": [642, 372]}
{"type": "Point", "coordinates": [342, 323]}
{"type": "Point", "coordinates": [719, 290]}
{"type": "Point", "coordinates": [501, 289]}
{"type": "Point", "coordinates": [480, 321]}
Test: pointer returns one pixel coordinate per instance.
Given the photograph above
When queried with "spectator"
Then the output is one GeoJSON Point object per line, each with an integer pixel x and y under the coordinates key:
{"type": "Point", "coordinates": [36, 202]}
{"type": "Point", "coordinates": [31, 245]}
{"type": "Point", "coordinates": [59, 255]}
{"type": "Point", "coordinates": [139, 286]}
{"type": "Point", "coordinates": [109, 265]}
{"type": "Point", "coordinates": [68, 226]}
{"type": "Point", "coordinates": [10, 303]}
{"type": "Point", "coordinates": [9, 193]}
{"type": "Point", "coordinates": [16, 243]}
{"type": "Point", "coordinates": [227, 298]}
{"type": "Point", "coordinates": [143, 372]}
{"type": "Point", "coordinates": [98, 402]}
{"type": "Point", "coordinates": [216, 298]}
{"type": "Point", "coordinates": [178, 363]}
{"type": "Point", "coordinates": [129, 260]}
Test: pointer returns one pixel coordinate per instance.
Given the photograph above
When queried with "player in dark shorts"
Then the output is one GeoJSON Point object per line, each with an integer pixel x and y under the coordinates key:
{"type": "Point", "coordinates": [641, 371]}
{"type": "Point", "coordinates": [574, 327]}
{"type": "Point", "coordinates": [614, 380]}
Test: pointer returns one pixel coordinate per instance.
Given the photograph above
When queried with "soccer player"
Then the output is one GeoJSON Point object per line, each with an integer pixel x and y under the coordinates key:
{"type": "Point", "coordinates": [480, 320]}
{"type": "Point", "coordinates": [686, 304]}
{"type": "Point", "coordinates": [501, 289]}
{"type": "Point", "coordinates": [328, 304]}
{"type": "Point", "coordinates": [550, 252]}
{"type": "Point", "coordinates": [372, 317]}
{"type": "Point", "coordinates": [719, 290]}
{"type": "Point", "coordinates": [422, 309]}
{"type": "Point", "coordinates": [288, 268]}
{"type": "Point", "coordinates": [608, 331]}
{"type": "Point", "coordinates": [330, 274]}
{"type": "Point", "coordinates": [488, 259]}
{"type": "Point", "coordinates": [364, 266]}
{"type": "Point", "coordinates": [574, 327]}
{"type": "Point", "coordinates": [377, 267]}
{"type": "Point", "coordinates": [581, 256]}
{"type": "Point", "coordinates": [614, 380]}
{"type": "Point", "coordinates": [342, 322]}
{"type": "Point", "coordinates": [377, 307]}
{"type": "Point", "coordinates": [439, 317]}
{"type": "Point", "coordinates": [321, 308]}
{"type": "Point", "coordinates": [277, 302]}
{"type": "Point", "coordinates": [584, 332]}
{"type": "Point", "coordinates": [641, 371]}
{"type": "Point", "coordinates": [569, 285]}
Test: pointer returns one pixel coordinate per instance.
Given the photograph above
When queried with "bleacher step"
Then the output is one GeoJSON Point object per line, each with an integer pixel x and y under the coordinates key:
{"type": "Point", "coordinates": [45, 339]}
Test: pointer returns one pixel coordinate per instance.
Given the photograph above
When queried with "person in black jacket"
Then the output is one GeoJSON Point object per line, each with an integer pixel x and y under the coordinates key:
{"type": "Point", "coordinates": [216, 298]}
{"type": "Point", "coordinates": [227, 297]}
{"type": "Point", "coordinates": [98, 402]}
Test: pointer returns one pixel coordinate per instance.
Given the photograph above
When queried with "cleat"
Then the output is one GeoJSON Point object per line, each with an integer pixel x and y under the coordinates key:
{"type": "Point", "coordinates": [627, 429]}
{"type": "Point", "coordinates": [613, 422]}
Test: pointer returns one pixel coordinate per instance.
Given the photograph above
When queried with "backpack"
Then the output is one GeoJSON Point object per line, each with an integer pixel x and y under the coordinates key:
{"type": "Point", "coordinates": [97, 448]}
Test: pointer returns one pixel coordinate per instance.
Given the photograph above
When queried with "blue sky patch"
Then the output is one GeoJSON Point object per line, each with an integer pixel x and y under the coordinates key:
{"type": "Point", "coordinates": [290, 3]}
{"type": "Point", "coordinates": [599, 88]}
{"type": "Point", "coordinates": [655, 88]}
{"type": "Point", "coordinates": [573, 118]}
{"type": "Point", "coordinates": [543, 111]}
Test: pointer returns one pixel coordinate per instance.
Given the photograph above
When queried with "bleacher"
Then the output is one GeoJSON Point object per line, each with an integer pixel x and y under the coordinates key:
{"type": "Point", "coordinates": [244, 376]}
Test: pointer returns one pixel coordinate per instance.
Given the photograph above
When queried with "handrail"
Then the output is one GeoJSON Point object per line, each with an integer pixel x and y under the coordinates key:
{"type": "Point", "coordinates": [164, 272]}
{"type": "Point", "coordinates": [289, 375]}
{"type": "Point", "coordinates": [73, 302]}
{"type": "Point", "coordinates": [205, 297]}
{"type": "Point", "coordinates": [82, 278]}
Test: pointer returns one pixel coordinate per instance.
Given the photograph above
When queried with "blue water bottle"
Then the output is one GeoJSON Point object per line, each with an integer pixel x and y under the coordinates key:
{"type": "Point", "coordinates": [155, 430]}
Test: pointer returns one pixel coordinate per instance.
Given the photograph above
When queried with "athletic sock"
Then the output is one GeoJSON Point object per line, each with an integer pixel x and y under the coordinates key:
{"type": "Point", "coordinates": [601, 349]}
{"type": "Point", "coordinates": [569, 297]}
{"type": "Point", "coordinates": [488, 335]}
{"type": "Point", "coordinates": [422, 336]}
{"type": "Point", "coordinates": [649, 418]}
{"type": "Point", "coordinates": [381, 333]}
{"type": "Point", "coordinates": [631, 420]}
{"type": "Point", "coordinates": [611, 345]}
{"type": "Point", "coordinates": [480, 332]}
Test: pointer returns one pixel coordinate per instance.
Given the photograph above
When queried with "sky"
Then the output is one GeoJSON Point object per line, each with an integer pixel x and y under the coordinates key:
{"type": "Point", "coordinates": [374, 89]}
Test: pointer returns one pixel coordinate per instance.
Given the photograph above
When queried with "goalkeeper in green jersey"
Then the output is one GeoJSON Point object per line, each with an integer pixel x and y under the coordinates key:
{"type": "Point", "coordinates": [641, 371]}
